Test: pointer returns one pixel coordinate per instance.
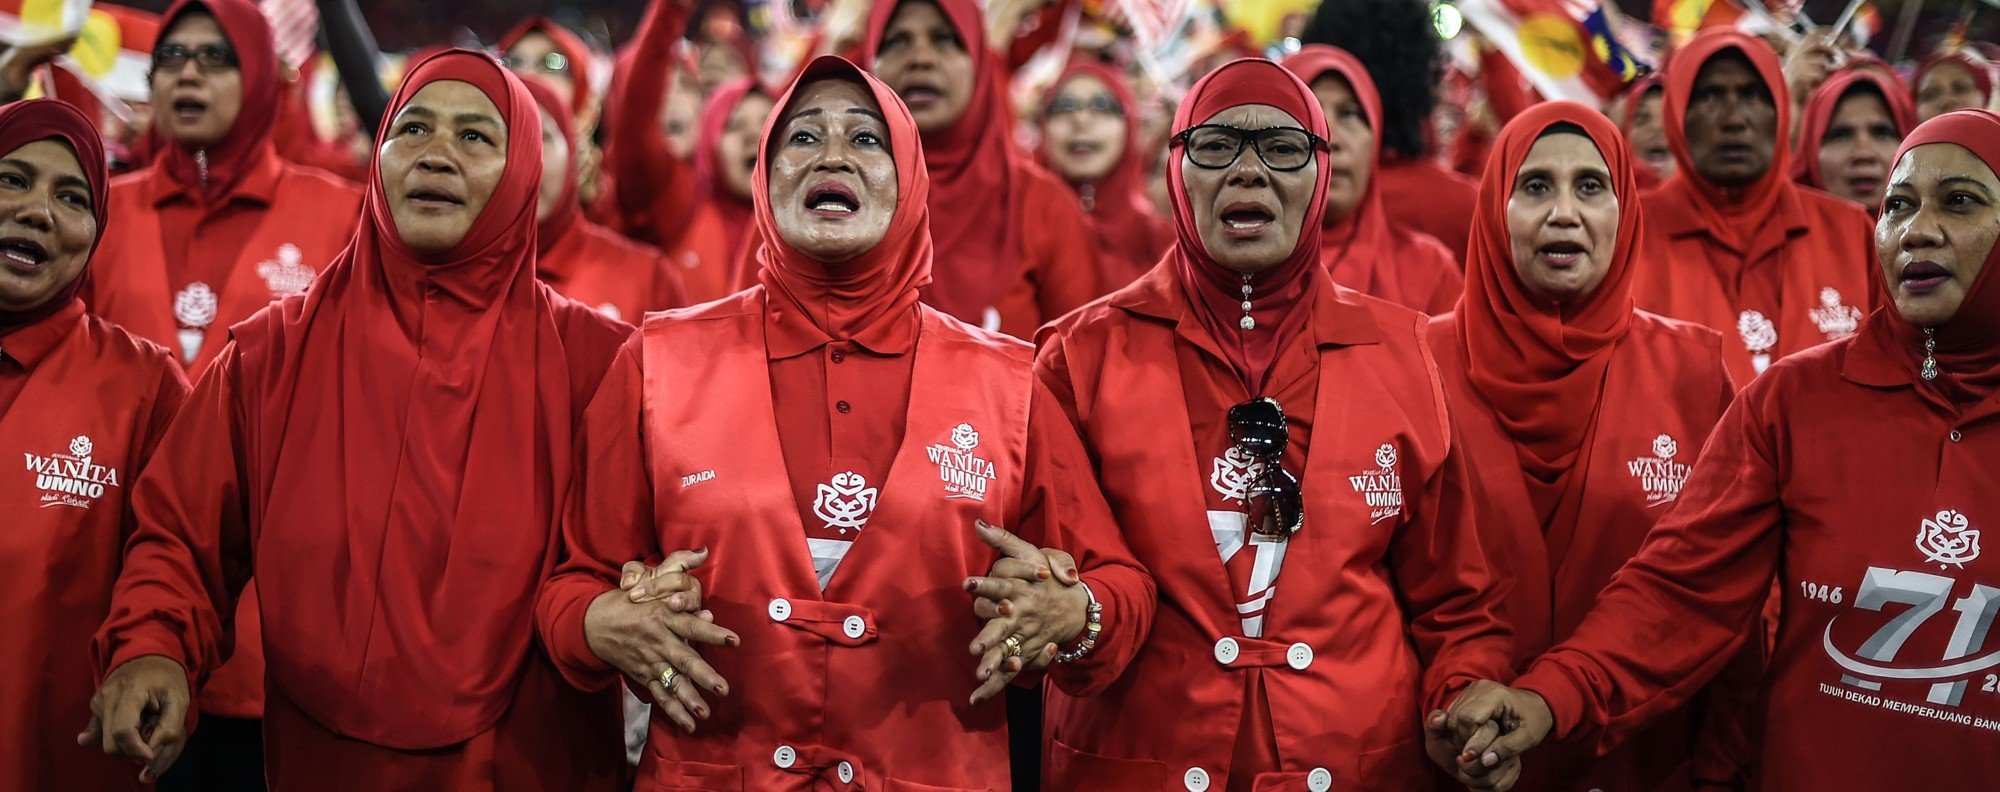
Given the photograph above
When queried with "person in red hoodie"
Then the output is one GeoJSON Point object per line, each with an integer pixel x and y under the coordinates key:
{"type": "Point", "coordinates": [1883, 670]}
{"type": "Point", "coordinates": [1090, 137]}
{"type": "Point", "coordinates": [1550, 371]}
{"type": "Point", "coordinates": [1278, 454]}
{"type": "Point", "coordinates": [1730, 241]}
{"type": "Point", "coordinates": [1011, 251]}
{"type": "Point", "coordinates": [1955, 79]}
{"type": "Point", "coordinates": [388, 454]}
{"type": "Point", "coordinates": [582, 260]}
{"type": "Point", "coordinates": [1852, 125]}
{"type": "Point", "coordinates": [840, 453]}
{"type": "Point", "coordinates": [1363, 247]}
{"type": "Point", "coordinates": [85, 403]}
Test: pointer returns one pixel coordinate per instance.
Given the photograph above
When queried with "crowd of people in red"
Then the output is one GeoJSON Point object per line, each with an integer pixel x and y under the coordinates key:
{"type": "Point", "coordinates": [524, 443]}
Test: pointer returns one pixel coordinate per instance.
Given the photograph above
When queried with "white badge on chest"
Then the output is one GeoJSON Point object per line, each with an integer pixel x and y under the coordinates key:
{"type": "Point", "coordinates": [194, 311]}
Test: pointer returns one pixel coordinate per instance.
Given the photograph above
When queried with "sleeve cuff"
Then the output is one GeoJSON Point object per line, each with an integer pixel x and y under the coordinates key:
{"type": "Point", "coordinates": [144, 641]}
{"type": "Point", "coordinates": [1559, 692]}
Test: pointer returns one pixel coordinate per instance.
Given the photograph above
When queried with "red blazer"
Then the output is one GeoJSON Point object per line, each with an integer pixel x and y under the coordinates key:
{"type": "Point", "coordinates": [1375, 623]}
{"type": "Point", "coordinates": [1864, 501]}
{"type": "Point", "coordinates": [621, 278]}
{"type": "Point", "coordinates": [864, 684]}
{"type": "Point", "coordinates": [90, 408]}
{"type": "Point", "coordinates": [1662, 393]}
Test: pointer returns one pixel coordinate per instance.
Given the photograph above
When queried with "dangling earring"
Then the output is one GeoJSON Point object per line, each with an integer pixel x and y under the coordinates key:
{"type": "Point", "coordinates": [1248, 322]}
{"type": "Point", "coordinates": [1929, 370]}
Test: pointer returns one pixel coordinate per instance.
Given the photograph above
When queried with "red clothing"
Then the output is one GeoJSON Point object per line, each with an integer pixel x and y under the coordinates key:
{"type": "Point", "coordinates": [1385, 605]}
{"type": "Point", "coordinates": [656, 189]}
{"type": "Point", "coordinates": [1775, 268]}
{"type": "Point", "coordinates": [1430, 198]}
{"type": "Point", "coordinates": [399, 594]}
{"type": "Point", "coordinates": [1366, 251]}
{"type": "Point", "coordinates": [621, 278]}
{"type": "Point", "coordinates": [1130, 235]}
{"type": "Point", "coordinates": [1819, 116]}
{"type": "Point", "coordinates": [85, 402]}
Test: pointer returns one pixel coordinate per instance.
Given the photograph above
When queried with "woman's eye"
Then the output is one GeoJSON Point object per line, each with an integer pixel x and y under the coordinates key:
{"type": "Point", "coordinates": [13, 180]}
{"type": "Point", "coordinates": [75, 199]}
{"type": "Point", "coordinates": [1961, 198]}
{"type": "Point", "coordinates": [411, 128]}
{"type": "Point", "coordinates": [1895, 204]}
{"type": "Point", "coordinates": [802, 138]}
{"type": "Point", "coordinates": [1535, 186]}
{"type": "Point", "coordinates": [475, 136]}
{"type": "Point", "coordinates": [1590, 186]}
{"type": "Point", "coordinates": [867, 138]}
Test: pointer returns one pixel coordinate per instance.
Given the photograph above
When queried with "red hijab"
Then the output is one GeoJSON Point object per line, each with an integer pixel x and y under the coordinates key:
{"type": "Point", "coordinates": [1826, 100]}
{"type": "Point", "coordinates": [571, 46]}
{"type": "Point", "coordinates": [1541, 366]}
{"type": "Point", "coordinates": [861, 295]}
{"type": "Point", "coordinates": [239, 150]}
{"type": "Point", "coordinates": [1741, 218]}
{"type": "Point", "coordinates": [1122, 216]}
{"type": "Point", "coordinates": [1281, 297]}
{"type": "Point", "coordinates": [708, 173]}
{"type": "Point", "coordinates": [25, 122]}
{"type": "Point", "coordinates": [567, 208]}
{"type": "Point", "coordinates": [1973, 60]}
{"type": "Point", "coordinates": [1358, 250]}
{"type": "Point", "coordinates": [971, 171]}
{"type": "Point", "coordinates": [408, 443]}
{"type": "Point", "coordinates": [1968, 344]}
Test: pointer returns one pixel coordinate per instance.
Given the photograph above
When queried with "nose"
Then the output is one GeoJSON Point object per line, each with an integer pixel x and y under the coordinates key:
{"type": "Point", "coordinates": [1248, 170]}
{"type": "Point", "coordinates": [1563, 211]}
{"type": "Point", "coordinates": [188, 74]}
{"type": "Point", "coordinates": [34, 213]}
{"type": "Point", "coordinates": [436, 159]}
{"type": "Point", "coordinates": [1923, 232]}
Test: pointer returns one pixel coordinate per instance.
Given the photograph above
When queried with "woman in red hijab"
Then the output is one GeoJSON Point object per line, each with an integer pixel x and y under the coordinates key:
{"type": "Point", "coordinates": [1957, 79]}
{"type": "Point", "coordinates": [1278, 454]}
{"type": "Point", "coordinates": [541, 51]}
{"type": "Point", "coordinates": [1361, 246]}
{"type": "Point", "coordinates": [1852, 126]}
{"type": "Point", "coordinates": [725, 153]}
{"type": "Point", "coordinates": [387, 453]}
{"type": "Point", "coordinates": [582, 260]}
{"type": "Point", "coordinates": [840, 453]}
{"type": "Point", "coordinates": [1876, 680]}
{"type": "Point", "coordinates": [1730, 241]}
{"type": "Point", "coordinates": [1549, 370]}
{"type": "Point", "coordinates": [1090, 137]}
{"type": "Point", "coordinates": [1646, 132]}
{"type": "Point", "coordinates": [1007, 232]}
{"type": "Point", "coordinates": [85, 402]}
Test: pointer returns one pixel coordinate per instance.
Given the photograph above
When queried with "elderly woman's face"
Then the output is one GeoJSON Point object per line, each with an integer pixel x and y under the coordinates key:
{"type": "Point", "coordinates": [46, 225]}
{"type": "Point", "coordinates": [832, 177]}
{"type": "Point", "coordinates": [1936, 230]}
{"type": "Point", "coordinates": [1562, 218]}
{"type": "Point", "coordinates": [1248, 214]}
{"type": "Point", "coordinates": [924, 61]}
{"type": "Point", "coordinates": [441, 162]}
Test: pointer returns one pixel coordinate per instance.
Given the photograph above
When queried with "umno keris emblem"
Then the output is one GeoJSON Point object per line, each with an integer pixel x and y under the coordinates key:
{"type": "Point", "coordinates": [287, 274]}
{"type": "Point", "coordinates": [845, 502]}
{"type": "Point", "coordinates": [1834, 320]}
{"type": "Point", "coordinates": [194, 311]}
{"type": "Point", "coordinates": [1233, 472]}
{"type": "Point", "coordinates": [1948, 539]}
{"type": "Point", "coordinates": [1759, 336]}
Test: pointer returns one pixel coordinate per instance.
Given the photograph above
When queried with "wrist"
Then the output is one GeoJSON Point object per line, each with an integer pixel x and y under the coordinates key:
{"type": "Point", "coordinates": [1085, 639]}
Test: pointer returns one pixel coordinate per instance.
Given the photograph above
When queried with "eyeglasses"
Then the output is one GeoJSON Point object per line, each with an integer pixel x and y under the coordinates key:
{"type": "Point", "coordinates": [209, 58]}
{"type": "Point", "coordinates": [1214, 146]}
{"type": "Point", "coordinates": [1258, 427]}
{"type": "Point", "coordinates": [550, 62]}
{"type": "Point", "coordinates": [1100, 104]}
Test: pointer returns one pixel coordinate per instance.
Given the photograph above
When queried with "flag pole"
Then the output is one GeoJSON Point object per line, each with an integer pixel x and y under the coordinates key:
{"type": "Point", "coordinates": [1899, 44]}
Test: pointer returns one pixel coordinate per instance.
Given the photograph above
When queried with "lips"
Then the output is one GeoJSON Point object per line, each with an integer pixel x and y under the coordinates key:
{"type": "Point", "coordinates": [1562, 253]}
{"type": "Point", "coordinates": [832, 199]}
{"type": "Point", "coordinates": [433, 198]}
{"type": "Point", "coordinates": [21, 253]}
{"type": "Point", "coordinates": [188, 108]}
{"type": "Point", "coordinates": [1246, 219]}
{"type": "Point", "coordinates": [920, 94]}
{"type": "Point", "coordinates": [1084, 148]}
{"type": "Point", "coordinates": [1864, 185]}
{"type": "Point", "coordinates": [1733, 152]}
{"type": "Point", "coordinates": [1923, 277]}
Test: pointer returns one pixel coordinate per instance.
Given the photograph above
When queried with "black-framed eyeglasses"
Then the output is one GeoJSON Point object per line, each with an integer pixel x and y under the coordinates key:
{"type": "Point", "coordinates": [549, 62]}
{"type": "Point", "coordinates": [1277, 509]}
{"type": "Point", "coordinates": [1099, 104]}
{"type": "Point", "coordinates": [210, 58]}
{"type": "Point", "coordinates": [1215, 146]}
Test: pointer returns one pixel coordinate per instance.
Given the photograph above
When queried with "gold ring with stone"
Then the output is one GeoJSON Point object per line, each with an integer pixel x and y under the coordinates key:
{"type": "Point", "coordinates": [669, 678]}
{"type": "Point", "coordinates": [1013, 643]}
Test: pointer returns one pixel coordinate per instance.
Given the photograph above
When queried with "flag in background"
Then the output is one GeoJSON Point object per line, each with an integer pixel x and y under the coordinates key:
{"type": "Point", "coordinates": [41, 21]}
{"type": "Point", "coordinates": [294, 23]}
{"type": "Point", "coordinates": [1567, 49]}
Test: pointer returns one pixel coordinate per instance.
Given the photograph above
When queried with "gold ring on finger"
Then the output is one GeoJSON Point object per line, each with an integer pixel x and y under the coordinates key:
{"type": "Point", "coordinates": [669, 678]}
{"type": "Point", "coordinates": [1013, 643]}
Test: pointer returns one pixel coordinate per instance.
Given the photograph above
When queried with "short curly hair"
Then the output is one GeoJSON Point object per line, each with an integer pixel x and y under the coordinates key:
{"type": "Point", "coordinates": [1397, 42]}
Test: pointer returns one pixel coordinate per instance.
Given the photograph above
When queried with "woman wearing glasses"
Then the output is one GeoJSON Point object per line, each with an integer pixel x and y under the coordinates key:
{"type": "Point", "coordinates": [1090, 138]}
{"type": "Point", "coordinates": [1278, 454]}
{"type": "Point", "coordinates": [1583, 412]}
{"type": "Point", "coordinates": [811, 457]}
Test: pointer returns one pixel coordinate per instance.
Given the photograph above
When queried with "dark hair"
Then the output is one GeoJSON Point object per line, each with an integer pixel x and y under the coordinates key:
{"type": "Point", "coordinates": [1563, 128]}
{"type": "Point", "coordinates": [1397, 42]}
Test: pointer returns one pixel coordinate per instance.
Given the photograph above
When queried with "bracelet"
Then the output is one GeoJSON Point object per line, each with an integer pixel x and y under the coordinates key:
{"type": "Point", "coordinates": [1093, 615]}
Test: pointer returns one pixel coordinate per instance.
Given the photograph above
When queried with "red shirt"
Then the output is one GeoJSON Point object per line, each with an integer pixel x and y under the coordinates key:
{"type": "Point", "coordinates": [1878, 677]}
{"type": "Point", "coordinates": [1054, 251]}
{"type": "Point", "coordinates": [1428, 197]}
{"type": "Point", "coordinates": [85, 403]}
{"type": "Point", "coordinates": [621, 278]}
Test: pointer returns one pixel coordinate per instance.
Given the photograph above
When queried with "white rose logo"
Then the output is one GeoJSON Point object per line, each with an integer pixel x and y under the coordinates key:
{"type": "Point", "coordinates": [1948, 540]}
{"type": "Point", "coordinates": [194, 306]}
{"type": "Point", "coordinates": [964, 436]}
{"type": "Point", "coordinates": [80, 447]}
{"type": "Point", "coordinates": [1385, 457]}
{"type": "Point", "coordinates": [1664, 447]}
{"type": "Point", "coordinates": [1829, 297]}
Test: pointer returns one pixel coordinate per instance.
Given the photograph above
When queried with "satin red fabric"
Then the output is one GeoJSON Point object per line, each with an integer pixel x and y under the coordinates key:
{"type": "Point", "coordinates": [25, 122]}
{"type": "Point", "coordinates": [1825, 102]}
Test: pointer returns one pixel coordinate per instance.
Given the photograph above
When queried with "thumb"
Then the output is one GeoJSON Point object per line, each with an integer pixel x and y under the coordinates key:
{"type": "Point", "coordinates": [90, 732]}
{"type": "Point", "coordinates": [630, 574]}
{"type": "Point", "coordinates": [1508, 746]}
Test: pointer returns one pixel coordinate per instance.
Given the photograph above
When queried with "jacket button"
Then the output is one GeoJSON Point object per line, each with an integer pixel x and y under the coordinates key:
{"type": "Point", "coordinates": [854, 626]}
{"type": "Point", "coordinates": [1196, 779]}
{"type": "Point", "coordinates": [843, 406]}
{"type": "Point", "coordinates": [1300, 657]}
{"type": "Point", "coordinates": [1225, 653]}
{"type": "Point", "coordinates": [784, 757]}
{"type": "Point", "coordinates": [780, 610]}
{"type": "Point", "coordinates": [1955, 436]}
{"type": "Point", "coordinates": [838, 356]}
{"type": "Point", "coordinates": [1319, 780]}
{"type": "Point", "coordinates": [846, 772]}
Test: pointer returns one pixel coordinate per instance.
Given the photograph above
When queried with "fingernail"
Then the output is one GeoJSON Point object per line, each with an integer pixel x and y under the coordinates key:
{"type": "Point", "coordinates": [969, 585]}
{"type": "Point", "coordinates": [732, 640]}
{"type": "Point", "coordinates": [702, 550]}
{"type": "Point", "coordinates": [638, 592]}
{"type": "Point", "coordinates": [1490, 759]}
{"type": "Point", "coordinates": [1041, 573]}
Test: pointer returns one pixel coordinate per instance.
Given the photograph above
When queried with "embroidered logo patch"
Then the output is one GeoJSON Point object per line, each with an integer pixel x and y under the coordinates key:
{"type": "Point", "coordinates": [1834, 320]}
{"type": "Point", "coordinates": [1947, 539]}
{"type": "Point", "coordinates": [964, 473]}
{"type": "Point", "coordinates": [287, 274]}
{"type": "Point", "coordinates": [1381, 488]}
{"type": "Point", "coordinates": [72, 479]}
{"type": "Point", "coordinates": [845, 502]}
{"type": "Point", "coordinates": [1233, 473]}
{"type": "Point", "coordinates": [1659, 476]}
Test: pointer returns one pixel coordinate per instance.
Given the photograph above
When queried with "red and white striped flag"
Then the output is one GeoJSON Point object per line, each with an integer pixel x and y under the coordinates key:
{"type": "Point", "coordinates": [1151, 21]}
{"type": "Point", "coordinates": [294, 24]}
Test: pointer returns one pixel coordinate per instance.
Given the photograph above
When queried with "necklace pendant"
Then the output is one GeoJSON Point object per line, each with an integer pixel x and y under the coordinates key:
{"type": "Point", "coordinates": [1248, 323]}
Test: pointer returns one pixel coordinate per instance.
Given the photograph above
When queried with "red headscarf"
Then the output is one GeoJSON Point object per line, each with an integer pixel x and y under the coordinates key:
{"type": "Point", "coordinates": [570, 45]}
{"type": "Point", "coordinates": [1356, 249]}
{"type": "Point", "coordinates": [971, 169]}
{"type": "Point", "coordinates": [1740, 218]}
{"type": "Point", "coordinates": [567, 209]}
{"type": "Point", "coordinates": [247, 140]}
{"type": "Point", "coordinates": [409, 440]}
{"type": "Point", "coordinates": [853, 297]}
{"type": "Point", "coordinates": [1826, 100]}
{"type": "Point", "coordinates": [1968, 344]}
{"type": "Point", "coordinates": [1126, 226]}
{"type": "Point", "coordinates": [1541, 366]}
{"type": "Point", "coordinates": [708, 172]}
{"type": "Point", "coordinates": [25, 122]}
{"type": "Point", "coordinates": [1634, 95]}
{"type": "Point", "coordinates": [1281, 297]}
{"type": "Point", "coordinates": [1973, 60]}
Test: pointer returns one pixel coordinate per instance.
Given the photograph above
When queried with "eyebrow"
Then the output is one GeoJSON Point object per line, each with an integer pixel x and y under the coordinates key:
{"type": "Point", "coordinates": [1904, 185]}
{"type": "Point", "coordinates": [22, 164]}
{"type": "Point", "coordinates": [476, 118]}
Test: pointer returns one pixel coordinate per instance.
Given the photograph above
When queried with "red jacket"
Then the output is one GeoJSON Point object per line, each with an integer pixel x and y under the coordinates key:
{"type": "Point", "coordinates": [862, 684]}
{"type": "Point", "coordinates": [85, 403]}
{"type": "Point", "coordinates": [1428, 197]}
{"type": "Point", "coordinates": [1384, 607]}
{"type": "Point", "coordinates": [1662, 393]}
{"type": "Point", "coordinates": [1864, 501]}
{"type": "Point", "coordinates": [621, 278]}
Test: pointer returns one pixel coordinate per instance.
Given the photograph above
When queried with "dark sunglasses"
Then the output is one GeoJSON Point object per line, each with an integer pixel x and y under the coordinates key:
{"type": "Point", "coordinates": [209, 58]}
{"type": "Point", "coordinates": [551, 62]}
{"type": "Point", "coordinates": [1100, 104]}
{"type": "Point", "coordinates": [1277, 510]}
{"type": "Point", "coordinates": [1214, 146]}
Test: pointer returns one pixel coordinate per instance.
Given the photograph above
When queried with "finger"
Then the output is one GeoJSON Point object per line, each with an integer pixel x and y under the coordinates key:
{"type": "Point", "coordinates": [993, 588]}
{"type": "Point", "coordinates": [690, 698]}
{"type": "Point", "coordinates": [630, 574]}
{"type": "Point", "coordinates": [122, 726]}
{"type": "Point", "coordinates": [168, 731]}
{"type": "Point", "coordinates": [1477, 745]}
{"type": "Point", "coordinates": [684, 560]}
{"type": "Point", "coordinates": [659, 585]}
{"type": "Point", "coordinates": [1020, 570]}
{"type": "Point", "coordinates": [694, 629]}
{"type": "Point", "coordinates": [1435, 722]}
{"type": "Point", "coordinates": [90, 732]}
{"type": "Point", "coordinates": [992, 635]}
{"type": "Point", "coordinates": [1064, 565]}
{"type": "Point", "coordinates": [1044, 658]}
{"type": "Point", "coordinates": [986, 609]}
{"type": "Point", "coordinates": [1004, 541]}
{"type": "Point", "coordinates": [692, 666]}
{"type": "Point", "coordinates": [670, 706]}
{"type": "Point", "coordinates": [1508, 747]}
{"type": "Point", "coordinates": [992, 687]}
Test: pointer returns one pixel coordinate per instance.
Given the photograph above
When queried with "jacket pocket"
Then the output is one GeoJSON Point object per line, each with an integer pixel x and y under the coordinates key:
{"type": "Point", "coordinates": [671, 775]}
{"type": "Point", "coordinates": [1070, 768]}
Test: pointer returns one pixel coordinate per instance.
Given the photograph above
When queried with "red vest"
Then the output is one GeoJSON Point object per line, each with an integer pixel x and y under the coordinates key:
{"type": "Point", "coordinates": [864, 684]}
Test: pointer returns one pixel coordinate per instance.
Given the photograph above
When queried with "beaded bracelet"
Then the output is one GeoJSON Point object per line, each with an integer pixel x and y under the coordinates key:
{"type": "Point", "coordinates": [1093, 624]}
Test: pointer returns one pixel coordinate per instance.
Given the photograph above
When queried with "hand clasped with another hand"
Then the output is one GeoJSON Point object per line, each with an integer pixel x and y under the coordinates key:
{"type": "Point", "coordinates": [1032, 602]}
{"type": "Point", "coordinates": [1479, 739]}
